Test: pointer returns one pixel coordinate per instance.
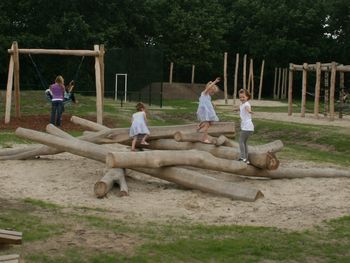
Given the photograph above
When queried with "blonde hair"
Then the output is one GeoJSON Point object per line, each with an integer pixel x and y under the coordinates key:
{"type": "Point", "coordinates": [246, 93]}
{"type": "Point", "coordinates": [59, 80]}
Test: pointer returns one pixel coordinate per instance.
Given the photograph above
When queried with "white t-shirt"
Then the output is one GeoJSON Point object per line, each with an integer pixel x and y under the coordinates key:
{"type": "Point", "coordinates": [246, 117]}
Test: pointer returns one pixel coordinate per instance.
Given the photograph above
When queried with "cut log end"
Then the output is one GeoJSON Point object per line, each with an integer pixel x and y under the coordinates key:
{"type": "Point", "coordinates": [100, 189]}
{"type": "Point", "coordinates": [272, 163]}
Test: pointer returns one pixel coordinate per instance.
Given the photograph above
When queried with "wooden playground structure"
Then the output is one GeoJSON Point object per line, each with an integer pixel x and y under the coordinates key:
{"type": "Point", "coordinates": [330, 86]}
{"type": "Point", "coordinates": [14, 75]}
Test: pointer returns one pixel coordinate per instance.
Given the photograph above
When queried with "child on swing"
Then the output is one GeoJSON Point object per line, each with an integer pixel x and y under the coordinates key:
{"type": "Point", "coordinates": [206, 113]}
{"type": "Point", "coordinates": [138, 126]}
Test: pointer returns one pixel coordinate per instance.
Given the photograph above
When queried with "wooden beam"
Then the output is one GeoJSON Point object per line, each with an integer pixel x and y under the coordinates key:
{"type": "Point", "coordinates": [10, 237]}
{"type": "Point", "coordinates": [192, 74]}
{"type": "Point", "coordinates": [332, 91]}
{"type": "Point", "coordinates": [99, 104]}
{"type": "Point", "coordinates": [236, 80]}
{"type": "Point", "coordinates": [171, 73]}
{"type": "Point", "coordinates": [9, 91]}
{"type": "Point", "coordinates": [225, 77]}
{"type": "Point", "coordinates": [63, 52]}
{"type": "Point", "coordinates": [290, 92]}
{"type": "Point", "coordinates": [102, 67]}
{"type": "Point", "coordinates": [317, 89]}
{"type": "Point", "coordinates": [245, 71]}
{"type": "Point", "coordinates": [13, 258]}
{"type": "Point", "coordinates": [16, 80]}
{"type": "Point", "coordinates": [261, 79]}
{"type": "Point", "coordinates": [303, 91]}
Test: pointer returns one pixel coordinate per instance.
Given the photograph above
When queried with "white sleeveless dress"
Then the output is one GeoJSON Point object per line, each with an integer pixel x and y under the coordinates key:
{"type": "Point", "coordinates": [206, 110]}
{"type": "Point", "coordinates": [138, 125]}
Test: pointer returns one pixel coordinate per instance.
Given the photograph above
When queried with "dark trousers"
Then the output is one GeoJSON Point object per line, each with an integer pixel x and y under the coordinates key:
{"type": "Point", "coordinates": [56, 112]}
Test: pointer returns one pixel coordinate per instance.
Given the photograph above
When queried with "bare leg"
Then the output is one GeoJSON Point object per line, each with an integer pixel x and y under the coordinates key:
{"type": "Point", "coordinates": [205, 128]}
{"type": "Point", "coordinates": [143, 141]}
{"type": "Point", "coordinates": [133, 143]}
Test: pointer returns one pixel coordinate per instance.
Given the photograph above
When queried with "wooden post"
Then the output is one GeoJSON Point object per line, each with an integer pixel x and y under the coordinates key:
{"type": "Point", "coordinates": [16, 79]}
{"type": "Point", "coordinates": [225, 77]}
{"type": "Point", "coordinates": [9, 91]}
{"type": "Point", "coordinates": [251, 79]}
{"type": "Point", "coordinates": [171, 73]}
{"type": "Point", "coordinates": [102, 66]}
{"type": "Point", "coordinates": [236, 80]}
{"type": "Point", "coordinates": [303, 91]}
{"type": "Point", "coordinates": [290, 91]}
{"type": "Point", "coordinates": [192, 76]}
{"type": "Point", "coordinates": [317, 89]}
{"type": "Point", "coordinates": [285, 83]}
{"type": "Point", "coordinates": [99, 106]}
{"type": "Point", "coordinates": [245, 71]}
{"type": "Point", "coordinates": [261, 79]}
{"type": "Point", "coordinates": [326, 93]}
{"type": "Point", "coordinates": [279, 83]}
{"type": "Point", "coordinates": [341, 94]}
{"type": "Point", "coordinates": [275, 85]}
{"type": "Point", "coordinates": [332, 91]}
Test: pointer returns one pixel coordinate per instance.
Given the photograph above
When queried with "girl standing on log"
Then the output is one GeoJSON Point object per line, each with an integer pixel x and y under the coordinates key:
{"type": "Point", "coordinates": [138, 126]}
{"type": "Point", "coordinates": [206, 113]}
{"type": "Point", "coordinates": [247, 126]}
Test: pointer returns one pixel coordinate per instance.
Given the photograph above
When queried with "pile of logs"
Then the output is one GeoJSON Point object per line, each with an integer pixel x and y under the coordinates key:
{"type": "Point", "coordinates": [171, 153]}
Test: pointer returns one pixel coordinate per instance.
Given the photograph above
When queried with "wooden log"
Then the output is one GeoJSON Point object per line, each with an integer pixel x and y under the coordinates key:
{"type": "Point", "coordinates": [279, 83]}
{"type": "Point", "coordinates": [245, 71]}
{"type": "Point", "coordinates": [13, 258]}
{"type": "Point", "coordinates": [160, 158]}
{"type": "Point", "coordinates": [64, 52]}
{"type": "Point", "coordinates": [197, 137]}
{"type": "Point", "coordinates": [181, 176]}
{"type": "Point", "coordinates": [192, 74]}
{"type": "Point", "coordinates": [275, 85]}
{"type": "Point", "coordinates": [121, 135]}
{"type": "Point", "coordinates": [171, 73]}
{"type": "Point", "coordinates": [88, 124]}
{"type": "Point", "coordinates": [194, 180]}
{"type": "Point", "coordinates": [341, 94]}
{"type": "Point", "coordinates": [9, 91]}
{"type": "Point", "coordinates": [292, 173]}
{"type": "Point", "coordinates": [114, 175]}
{"type": "Point", "coordinates": [10, 237]}
{"type": "Point", "coordinates": [259, 156]}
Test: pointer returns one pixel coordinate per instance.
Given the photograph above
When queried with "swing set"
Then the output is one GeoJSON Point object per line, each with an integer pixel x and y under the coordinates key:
{"type": "Point", "coordinates": [13, 75]}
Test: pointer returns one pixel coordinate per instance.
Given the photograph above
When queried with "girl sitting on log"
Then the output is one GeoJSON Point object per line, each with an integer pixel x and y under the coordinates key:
{"type": "Point", "coordinates": [206, 113]}
{"type": "Point", "coordinates": [247, 126]}
{"type": "Point", "coordinates": [138, 126]}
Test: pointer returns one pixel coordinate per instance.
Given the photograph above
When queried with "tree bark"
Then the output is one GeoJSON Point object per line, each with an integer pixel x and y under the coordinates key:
{"type": "Point", "coordinates": [198, 137]}
{"type": "Point", "coordinates": [88, 124]}
{"type": "Point", "coordinates": [115, 175]}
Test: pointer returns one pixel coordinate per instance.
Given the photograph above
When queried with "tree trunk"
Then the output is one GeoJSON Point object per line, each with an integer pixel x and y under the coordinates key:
{"type": "Point", "coordinates": [257, 157]}
{"type": "Point", "coordinates": [156, 159]}
{"type": "Point", "coordinates": [106, 183]}
{"type": "Point", "coordinates": [88, 124]}
{"type": "Point", "coordinates": [198, 137]}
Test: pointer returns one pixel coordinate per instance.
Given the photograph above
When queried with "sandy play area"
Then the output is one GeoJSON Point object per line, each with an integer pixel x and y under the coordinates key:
{"type": "Point", "coordinates": [68, 180]}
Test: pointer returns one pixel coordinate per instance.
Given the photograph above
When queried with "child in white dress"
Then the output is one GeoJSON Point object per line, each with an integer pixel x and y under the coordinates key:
{"type": "Point", "coordinates": [138, 126]}
{"type": "Point", "coordinates": [206, 113]}
{"type": "Point", "coordinates": [247, 126]}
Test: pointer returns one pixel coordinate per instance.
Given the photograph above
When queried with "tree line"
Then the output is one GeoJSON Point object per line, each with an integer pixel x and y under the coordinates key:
{"type": "Point", "coordinates": [187, 31]}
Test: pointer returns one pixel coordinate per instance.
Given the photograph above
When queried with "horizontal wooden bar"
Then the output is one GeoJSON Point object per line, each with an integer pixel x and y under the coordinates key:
{"type": "Point", "coordinates": [63, 52]}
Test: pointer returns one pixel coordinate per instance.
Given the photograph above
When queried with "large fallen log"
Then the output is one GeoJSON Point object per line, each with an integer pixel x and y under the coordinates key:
{"type": "Point", "coordinates": [102, 187]}
{"type": "Point", "coordinates": [263, 160]}
{"type": "Point", "coordinates": [184, 177]}
{"type": "Point", "coordinates": [10, 237]}
{"type": "Point", "coordinates": [121, 135]}
{"type": "Point", "coordinates": [156, 159]}
{"type": "Point", "coordinates": [180, 136]}
{"type": "Point", "coordinates": [292, 173]}
{"type": "Point", "coordinates": [88, 124]}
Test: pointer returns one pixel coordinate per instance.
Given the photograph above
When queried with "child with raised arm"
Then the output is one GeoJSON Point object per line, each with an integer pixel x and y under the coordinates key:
{"type": "Point", "coordinates": [138, 126]}
{"type": "Point", "coordinates": [206, 113]}
{"type": "Point", "coordinates": [247, 126]}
